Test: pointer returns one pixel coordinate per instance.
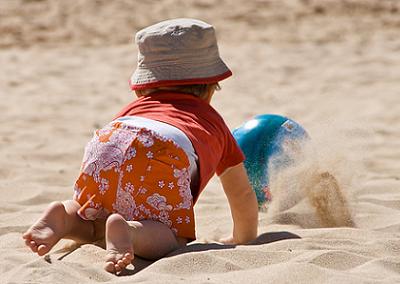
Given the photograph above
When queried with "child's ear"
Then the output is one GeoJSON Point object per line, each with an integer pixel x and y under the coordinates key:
{"type": "Point", "coordinates": [210, 92]}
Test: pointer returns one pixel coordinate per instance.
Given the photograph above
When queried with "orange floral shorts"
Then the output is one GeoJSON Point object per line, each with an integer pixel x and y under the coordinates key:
{"type": "Point", "coordinates": [138, 174]}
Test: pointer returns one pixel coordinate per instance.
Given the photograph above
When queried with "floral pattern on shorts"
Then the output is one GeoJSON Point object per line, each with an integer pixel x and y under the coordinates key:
{"type": "Point", "coordinates": [138, 174]}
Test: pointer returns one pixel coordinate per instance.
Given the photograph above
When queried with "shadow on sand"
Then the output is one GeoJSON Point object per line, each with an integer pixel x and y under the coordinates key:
{"type": "Point", "coordinates": [266, 238]}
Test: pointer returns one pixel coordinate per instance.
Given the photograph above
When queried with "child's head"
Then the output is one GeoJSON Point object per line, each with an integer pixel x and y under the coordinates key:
{"type": "Point", "coordinates": [180, 55]}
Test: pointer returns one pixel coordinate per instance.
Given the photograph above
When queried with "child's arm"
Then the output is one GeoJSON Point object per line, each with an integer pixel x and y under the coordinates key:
{"type": "Point", "coordinates": [243, 204]}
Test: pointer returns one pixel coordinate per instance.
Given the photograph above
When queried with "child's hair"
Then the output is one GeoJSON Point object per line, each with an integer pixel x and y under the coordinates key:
{"type": "Point", "coordinates": [198, 90]}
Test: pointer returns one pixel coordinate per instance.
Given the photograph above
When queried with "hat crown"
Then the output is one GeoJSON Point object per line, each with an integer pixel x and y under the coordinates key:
{"type": "Point", "coordinates": [178, 52]}
{"type": "Point", "coordinates": [176, 35]}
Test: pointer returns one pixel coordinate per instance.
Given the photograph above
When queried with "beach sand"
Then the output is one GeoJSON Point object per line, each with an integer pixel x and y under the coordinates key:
{"type": "Point", "coordinates": [332, 66]}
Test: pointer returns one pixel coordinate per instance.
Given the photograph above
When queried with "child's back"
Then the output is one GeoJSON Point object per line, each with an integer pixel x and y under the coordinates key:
{"type": "Point", "coordinates": [213, 143]}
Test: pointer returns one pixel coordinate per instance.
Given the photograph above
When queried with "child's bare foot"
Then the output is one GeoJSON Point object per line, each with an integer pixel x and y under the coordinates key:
{"type": "Point", "coordinates": [119, 244]}
{"type": "Point", "coordinates": [48, 230]}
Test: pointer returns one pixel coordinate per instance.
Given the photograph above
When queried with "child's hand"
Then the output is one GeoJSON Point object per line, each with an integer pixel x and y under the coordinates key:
{"type": "Point", "coordinates": [228, 241]}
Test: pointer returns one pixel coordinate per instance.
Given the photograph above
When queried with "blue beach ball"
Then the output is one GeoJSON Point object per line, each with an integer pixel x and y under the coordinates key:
{"type": "Point", "coordinates": [269, 142]}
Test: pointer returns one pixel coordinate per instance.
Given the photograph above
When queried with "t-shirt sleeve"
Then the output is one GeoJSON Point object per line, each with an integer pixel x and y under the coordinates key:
{"type": "Point", "coordinates": [232, 154]}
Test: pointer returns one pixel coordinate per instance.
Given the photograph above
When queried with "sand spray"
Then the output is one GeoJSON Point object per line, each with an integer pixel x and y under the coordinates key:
{"type": "Point", "coordinates": [321, 179]}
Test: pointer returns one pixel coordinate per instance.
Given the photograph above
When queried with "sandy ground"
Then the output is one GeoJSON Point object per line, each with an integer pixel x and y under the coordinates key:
{"type": "Point", "coordinates": [333, 66]}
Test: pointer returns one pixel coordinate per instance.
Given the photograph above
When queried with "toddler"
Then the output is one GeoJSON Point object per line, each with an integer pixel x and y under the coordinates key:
{"type": "Point", "coordinates": [142, 173]}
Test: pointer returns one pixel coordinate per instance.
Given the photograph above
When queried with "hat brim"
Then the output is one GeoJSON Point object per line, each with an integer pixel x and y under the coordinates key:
{"type": "Point", "coordinates": [192, 81]}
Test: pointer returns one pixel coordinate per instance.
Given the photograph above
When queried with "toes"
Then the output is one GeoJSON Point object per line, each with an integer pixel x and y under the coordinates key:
{"type": "Point", "coordinates": [28, 242]}
{"type": "Point", "coordinates": [118, 268]}
{"type": "Point", "coordinates": [109, 267]}
{"type": "Point", "coordinates": [121, 264]}
{"type": "Point", "coordinates": [39, 249]}
{"type": "Point", "coordinates": [27, 235]}
{"type": "Point", "coordinates": [127, 259]}
{"type": "Point", "coordinates": [31, 244]}
{"type": "Point", "coordinates": [117, 265]}
{"type": "Point", "coordinates": [42, 250]}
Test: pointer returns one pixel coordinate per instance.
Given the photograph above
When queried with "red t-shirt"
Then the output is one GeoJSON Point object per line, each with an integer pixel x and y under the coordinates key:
{"type": "Point", "coordinates": [211, 138]}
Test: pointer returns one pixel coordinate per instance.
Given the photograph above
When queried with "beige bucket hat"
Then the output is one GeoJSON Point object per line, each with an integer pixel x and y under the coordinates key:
{"type": "Point", "coordinates": [178, 52]}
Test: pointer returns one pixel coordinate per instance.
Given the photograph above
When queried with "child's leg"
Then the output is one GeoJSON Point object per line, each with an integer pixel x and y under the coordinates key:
{"type": "Point", "coordinates": [60, 220]}
{"type": "Point", "coordinates": [147, 239]}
